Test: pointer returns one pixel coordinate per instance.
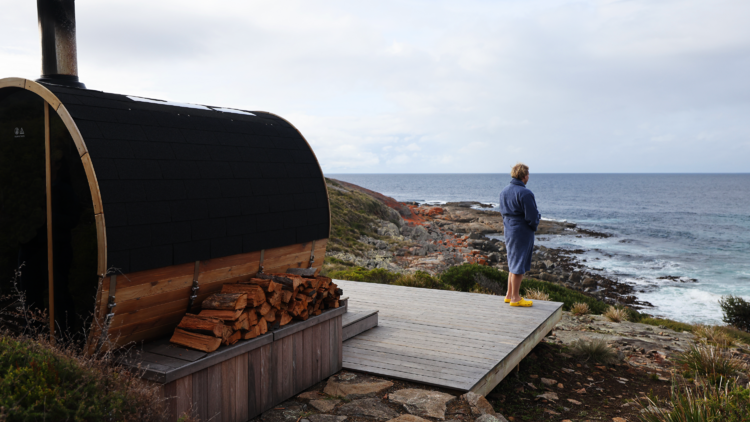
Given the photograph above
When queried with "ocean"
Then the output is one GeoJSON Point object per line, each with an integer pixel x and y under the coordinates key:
{"type": "Point", "coordinates": [690, 226]}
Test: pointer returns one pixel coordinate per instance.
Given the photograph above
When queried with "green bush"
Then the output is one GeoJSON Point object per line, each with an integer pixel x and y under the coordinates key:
{"type": "Point", "coordinates": [462, 277]}
{"type": "Point", "coordinates": [423, 280]}
{"type": "Point", "coordinates": [378, 275]}
{"type": "Point", "coordinates": [736, 312]}
{"type": "Point", "coordinates": [38, 382]}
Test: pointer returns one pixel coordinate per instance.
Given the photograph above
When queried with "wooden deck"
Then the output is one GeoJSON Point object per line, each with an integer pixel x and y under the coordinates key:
{"type": "Point", "coordinates": [455, 340]}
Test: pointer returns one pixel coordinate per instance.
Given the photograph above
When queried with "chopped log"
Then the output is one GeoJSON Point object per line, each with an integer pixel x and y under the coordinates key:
{"type": "Point", "coordinates": [289, 280]}
{"type": "Point", "coordinates": [252, 316]}
{"type": "Point", "coordinates": [255, 294]}
{"type": "Point", "coordinates": [225, 301]}
{"type": "Point", "coordinates": [275, 299]}
{"type": "Point", "coordinates": [310, 292]}
{"type": "Point", "coordinates": [228, 331]}
{"type": "Point", "coordinates": [285, 318]}
{"type": "Point", "coordinates": [223, 315]}
{"type": "Point", "coordinates": [263, 309]}
{"type": "Point", "coordinates": [267, 285]}
{"type": "Point", "coordinates": [286, 296]}
{"type": "Point", "coordinates": [317, 312]}
{"type": "Point", "coordinates": [242, 322]}
{"type": "Point", "coordinates": [202, 325]}
{"type": "Point", "coordinates": [196, 341]}
{"type": "Point", "coordinates": [304, 272]}
{"type": "Point", "coordinates": [262, 325]}
{"type": "Point", "coordinates": [270, 316]}
{"type": "Point", "coordinates": [234, 338]}
{"type": "Point", "coordinates": [253, 332]}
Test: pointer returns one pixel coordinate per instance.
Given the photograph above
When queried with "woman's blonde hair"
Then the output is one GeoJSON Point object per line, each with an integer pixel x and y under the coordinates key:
{"type": "Point", "coordinates": [519, 171]}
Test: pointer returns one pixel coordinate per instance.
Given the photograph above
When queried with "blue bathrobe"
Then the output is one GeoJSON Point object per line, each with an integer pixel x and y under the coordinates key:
{"type": "Point", "coordinates": [521, 219]}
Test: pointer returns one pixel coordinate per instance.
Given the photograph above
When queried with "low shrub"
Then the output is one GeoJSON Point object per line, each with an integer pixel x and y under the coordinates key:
{"type": "Point", "coordinates": [661, 322]}
{"type": "Point", "coordinates": [423, 280]}
{"type": "Point", "coordinates": [594, 350]}
{"type": "Point", "coordinates": [708, 362]}
{"type": "Point", "coordinates": [736, 334]}
{"type": "Point", "coordinates": [726, 402]}
{"type": "Point", "coordinates": [579, 309]}
{"type": "Point", "coordinates": [378, 275]}
{"type": "Point", "coordinates": [463, 277]}
{"type": "Point", "coordinates": [616, 314]}
{"type": "Point", "coordinates": [736, 312]}
{"type": "Point", "coordinates": [42, 382]}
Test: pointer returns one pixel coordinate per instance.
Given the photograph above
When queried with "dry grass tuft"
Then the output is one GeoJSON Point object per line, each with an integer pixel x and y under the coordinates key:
{"type": "Point", "coordinates": [536, 294]}
{"type": "Point", "coordinates": [713, 335]}
{"type": "Point", "coordinates": [579, 309]}
{"type": "Point", "coordinates": [616, 314]}
{"type": "Point", "coordinates": [710, 362]}
{"type": "Point", "coordinates": [594, 350]}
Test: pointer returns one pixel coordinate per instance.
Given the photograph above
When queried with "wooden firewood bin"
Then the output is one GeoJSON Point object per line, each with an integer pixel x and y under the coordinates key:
{"type": "Point", "coordinates": [239, 382]}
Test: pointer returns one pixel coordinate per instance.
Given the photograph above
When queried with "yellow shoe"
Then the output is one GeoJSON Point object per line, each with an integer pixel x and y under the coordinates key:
{"type": "Point", "coordinates": [523, 302]}
{"type": "Point", "coordinates": [507, 300]}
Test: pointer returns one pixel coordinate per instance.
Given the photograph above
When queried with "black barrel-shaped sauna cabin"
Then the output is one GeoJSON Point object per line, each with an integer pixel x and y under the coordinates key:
{"type": "Point", "coordinates": [153, 205]}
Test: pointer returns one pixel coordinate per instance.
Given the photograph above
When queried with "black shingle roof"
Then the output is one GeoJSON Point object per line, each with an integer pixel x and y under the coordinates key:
{"type": "Point", "coordinates": [180, 184]}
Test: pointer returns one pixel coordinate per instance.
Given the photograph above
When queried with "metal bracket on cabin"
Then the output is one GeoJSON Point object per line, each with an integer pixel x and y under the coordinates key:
{"type": "Point", "coordinates": [312, 255]}
{"type": "Point", "coordinates": [110, 312]}
{"type": "Point", "coordinates": [194, 289]}
{"type": "Point", "coordinates": [260, 266]}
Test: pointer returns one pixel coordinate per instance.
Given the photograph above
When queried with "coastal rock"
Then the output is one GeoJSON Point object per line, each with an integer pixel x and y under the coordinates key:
{"type": "Point", "coordinates": [422, 402]}
{"type": "Point", "coordinates": [408, 418]}
{"type": "Point", "coordinates": [589, 282]}
{"type": "Point", "coordinates": [336, 388]}
{"type": "Point", "coordinates": [326, 418]}
{"type": "Point", "coordinates": [478, 404]}
{"type": "Point", "coordinates": [491, 418]}
{"type": "Point", "coordinates": [324, 405]}
{"type": "Point", "coordinates": [373, 408]}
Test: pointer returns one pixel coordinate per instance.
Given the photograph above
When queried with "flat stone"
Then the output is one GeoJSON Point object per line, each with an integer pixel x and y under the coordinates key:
{"type": "Point", "coordinates": [490, 418]}
{"type": "Point", "coordinates": [324, 405]}
{"type": "Point", "coordinates": [326, 418]}
{"type": "Point", "coordinates": [478, 404]}
{"type": "Point", "coordinates": [422, 402]}
{"type": "Point", "coordinates": [335, 388]}
{"type": "Point", "coordinates": [549, 396]}
{"type": "Point", "coordinates": [373, 408]}
{"type": "Point", "coordinates": [311, 395]}
{"type": "Point", "coordinates": [408, 418]}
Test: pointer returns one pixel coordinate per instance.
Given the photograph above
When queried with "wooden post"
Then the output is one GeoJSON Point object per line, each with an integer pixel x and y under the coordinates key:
{"type": "Point", "coordinates": [50, 272]}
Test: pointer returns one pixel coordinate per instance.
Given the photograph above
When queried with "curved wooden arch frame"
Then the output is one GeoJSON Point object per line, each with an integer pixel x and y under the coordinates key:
{"type": "Point", "coordinates": [96, 198]}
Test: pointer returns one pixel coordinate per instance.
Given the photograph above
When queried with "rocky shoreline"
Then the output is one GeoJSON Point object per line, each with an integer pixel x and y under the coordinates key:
{"type": "Point", "coordinates": [422, 237]}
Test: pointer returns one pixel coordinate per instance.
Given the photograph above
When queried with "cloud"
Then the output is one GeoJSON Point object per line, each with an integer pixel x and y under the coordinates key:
{"type": "Point", "coordinates": [565, 86]}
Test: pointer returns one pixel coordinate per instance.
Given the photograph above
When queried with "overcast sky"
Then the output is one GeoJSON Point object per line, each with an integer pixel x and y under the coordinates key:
{"type": "Point", "coordinates": [438, 86]}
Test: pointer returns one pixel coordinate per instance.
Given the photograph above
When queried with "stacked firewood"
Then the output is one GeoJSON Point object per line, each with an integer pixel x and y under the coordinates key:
{"type": "Point", "coordinates": [252, 307]}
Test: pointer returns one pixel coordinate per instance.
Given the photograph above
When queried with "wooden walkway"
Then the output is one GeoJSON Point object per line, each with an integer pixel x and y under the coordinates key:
{"type": "Point", "coordinates": [455, 340]}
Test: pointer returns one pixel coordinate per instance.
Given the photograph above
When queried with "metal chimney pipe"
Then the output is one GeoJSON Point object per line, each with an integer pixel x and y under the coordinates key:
{"type": "Point", "coordinates": [57, 26]}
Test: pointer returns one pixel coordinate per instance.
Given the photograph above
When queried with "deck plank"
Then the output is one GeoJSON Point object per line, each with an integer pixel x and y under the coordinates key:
{"type": "Point", "coordinates": [455, 340]}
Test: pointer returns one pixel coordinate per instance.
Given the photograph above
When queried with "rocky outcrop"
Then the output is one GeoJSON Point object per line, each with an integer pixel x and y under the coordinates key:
{"type": "Point", "coordinates": [422, 402]}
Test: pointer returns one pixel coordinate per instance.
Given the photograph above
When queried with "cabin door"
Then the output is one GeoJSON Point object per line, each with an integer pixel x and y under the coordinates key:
{"type": "Point", "coordinates": [47, 229]}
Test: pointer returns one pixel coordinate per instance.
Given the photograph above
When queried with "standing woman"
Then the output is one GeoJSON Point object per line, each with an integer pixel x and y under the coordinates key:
{"type": "Point", "coordinates": [521, 219]}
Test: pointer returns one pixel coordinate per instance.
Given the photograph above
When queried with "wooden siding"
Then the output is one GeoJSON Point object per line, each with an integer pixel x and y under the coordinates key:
{"type": "Point", "coordinates": [151, 303]}
{"type": "Point", "coordinates": [242, 387]}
